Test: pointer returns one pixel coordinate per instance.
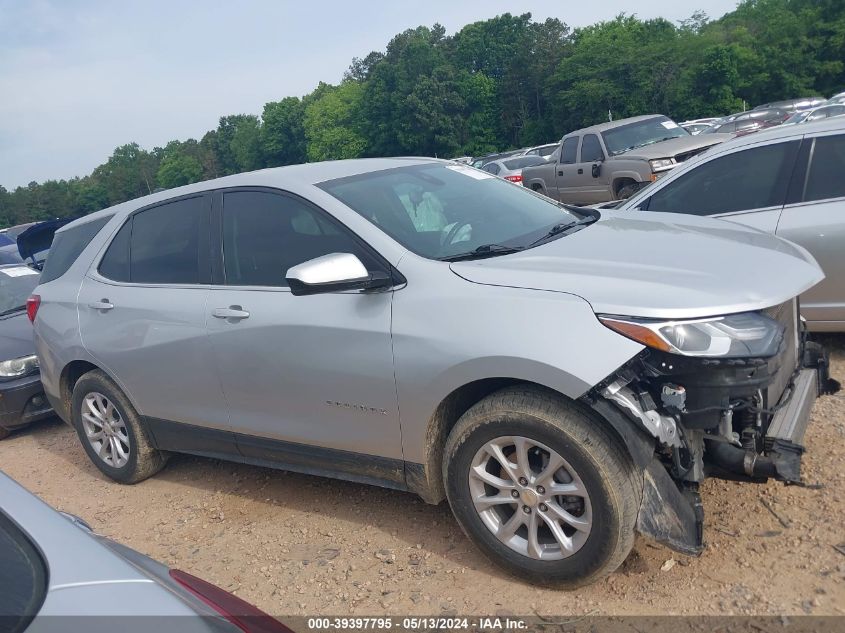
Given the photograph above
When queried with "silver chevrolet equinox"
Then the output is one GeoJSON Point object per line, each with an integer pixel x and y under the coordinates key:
{"type": "Point", "coordinates": [565, 377]}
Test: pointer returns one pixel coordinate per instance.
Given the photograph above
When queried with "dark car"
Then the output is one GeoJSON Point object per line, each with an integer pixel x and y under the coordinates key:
{"type": "Point", "coordinates": [22, 399]}
{"type": "Point", "coordinates": [793, 105]}
{"type": "Point", "coordinates": [479, 162]}
{"type": "Point", "coordinates": [770, 116]}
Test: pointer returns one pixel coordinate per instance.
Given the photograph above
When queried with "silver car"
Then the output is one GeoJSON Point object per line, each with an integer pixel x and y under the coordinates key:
{"type": "Point", "coordinates": [787, 181]}
{"type": "Point", "coordinates": [57, 575]}
{"type": "Point", "coordinates": [511, 168]}
{"type": "Point", "coordinates": [816, 114]}
{"type": "Point", "coordinates": [565, 378]}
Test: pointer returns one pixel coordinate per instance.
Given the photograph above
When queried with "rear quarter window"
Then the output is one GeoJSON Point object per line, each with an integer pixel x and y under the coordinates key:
{"type": "Point", "coordinates": [825, 179]}
{"type": "Point", "coordinates": [68, 245]}
{"type": "Point", "coordinates": [23, 578]}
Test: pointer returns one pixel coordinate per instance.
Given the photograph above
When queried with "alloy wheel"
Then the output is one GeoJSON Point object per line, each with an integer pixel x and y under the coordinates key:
{"type": "Point", "coordinates": [105, 429]}
{"type": "Point", "coordinates": [530, 498]}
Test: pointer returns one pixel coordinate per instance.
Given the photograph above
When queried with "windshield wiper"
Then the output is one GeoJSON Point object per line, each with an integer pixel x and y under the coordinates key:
{"type": "Point", "coordinates": [485, 250]}
{"type": "Point", "coordinates": [639, 145]}
{"type": "Point", "coordinates": [563, 227]}
{"type": "Point", "coordinates": [11, 310]}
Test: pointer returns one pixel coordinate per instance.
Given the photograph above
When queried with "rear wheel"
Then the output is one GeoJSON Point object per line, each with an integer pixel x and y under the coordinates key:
{"type": "Point", "coordinates": [111, 431]}
{"type": "Point", "coordinates": [4, 433]}
{"type": "Point", "coordinates": [543, 488]}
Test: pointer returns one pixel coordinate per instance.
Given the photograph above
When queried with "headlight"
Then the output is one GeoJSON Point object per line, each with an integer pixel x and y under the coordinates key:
{"type": "Point", "coordinates": [731, 336]}
{"type": "Point", "coordinates": [18, 366]}
{"type": "Point", "coordinates": [661, 163]}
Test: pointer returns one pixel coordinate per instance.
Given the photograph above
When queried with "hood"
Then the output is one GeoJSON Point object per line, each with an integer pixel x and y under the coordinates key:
{"type": "Point", "coordinates": [675, 146]}
{"type": "Point", "coordinates": [39, 237]}
{"type": "Point", "coordinates": [659, 265]}
{"type": "Point", "coordinates": [15, 336]}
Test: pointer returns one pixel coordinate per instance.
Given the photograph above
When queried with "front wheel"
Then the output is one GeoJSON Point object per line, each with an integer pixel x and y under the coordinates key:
{"type": "Point", "coordinates": [542, 487]}
{"type": "Point", "coordinates": [628, 190]}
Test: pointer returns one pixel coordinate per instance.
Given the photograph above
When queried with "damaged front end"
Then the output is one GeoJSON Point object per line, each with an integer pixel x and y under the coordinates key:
{"type": "Point", "coordinates": [721, 414]}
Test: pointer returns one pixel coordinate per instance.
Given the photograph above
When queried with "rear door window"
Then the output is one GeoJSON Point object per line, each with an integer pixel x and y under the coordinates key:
{"type": "Point", "coordinates": [591, 150]}
{"type": "Point", "coordinates": [68, 246]}
{"type": "Point", "coordinates": [23, 578]}
{"type": "Point", "coordinates": [569, 153]}
{"type": "Point", "coordinates": [825, 179]}
{"type": "Point", "coordinates": [755, 178]}
{"type": "Point", "coordinates": [165, 245]}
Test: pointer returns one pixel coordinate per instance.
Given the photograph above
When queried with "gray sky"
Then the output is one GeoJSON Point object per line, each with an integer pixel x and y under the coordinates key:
{"type": "Point", "coordinates": [77, 79]}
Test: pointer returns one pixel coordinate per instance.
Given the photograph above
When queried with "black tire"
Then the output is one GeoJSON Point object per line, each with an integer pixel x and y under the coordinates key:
{"type": "Point", "coordinates": [143, 459]}
{"type": "Point", "coordinates": [627, 190]}
{"type": "Point", "coordinates": [612, 481]}
{"type": "Point", "coordinates": [4, 433]}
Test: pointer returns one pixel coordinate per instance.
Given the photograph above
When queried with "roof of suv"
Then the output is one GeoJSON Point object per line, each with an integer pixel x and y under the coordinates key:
{"type": "Point", "coordinates": [282, 177]}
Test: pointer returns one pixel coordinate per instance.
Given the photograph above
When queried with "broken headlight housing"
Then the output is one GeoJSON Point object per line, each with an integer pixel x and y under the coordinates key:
{"type": "Point", "coordinates": [747, 334]}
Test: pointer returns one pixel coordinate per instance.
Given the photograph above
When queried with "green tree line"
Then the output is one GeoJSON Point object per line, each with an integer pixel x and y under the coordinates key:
{"type": "Point", "coordinates": [505, 82]}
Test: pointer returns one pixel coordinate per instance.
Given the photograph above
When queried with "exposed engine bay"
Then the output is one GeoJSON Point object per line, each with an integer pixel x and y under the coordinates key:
{"type": "Point", "coordinates": [738, 418]}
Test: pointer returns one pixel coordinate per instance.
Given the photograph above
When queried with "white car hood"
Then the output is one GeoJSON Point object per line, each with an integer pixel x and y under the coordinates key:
{"type": "Point", "coordinates": [659, 265]}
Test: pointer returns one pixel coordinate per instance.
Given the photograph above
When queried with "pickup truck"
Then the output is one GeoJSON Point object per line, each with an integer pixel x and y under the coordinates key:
{"type": "Point", "coordinates": [612, 161]}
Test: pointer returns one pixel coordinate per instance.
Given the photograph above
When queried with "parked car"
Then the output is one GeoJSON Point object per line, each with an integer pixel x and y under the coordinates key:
{"type": "Point", "coordinates": [478, 163]}
{"type": "Point", "coordinates": [706, 121]}
{"type": "Point", "coordinates": [695, 128]}
{"type": "Point", "coordinates": [767, 116]}
{"type": "Point", "coordinates": [736, 128]}
{"type": "Point", "coordinates": [29, 242]}
{"type": "Point", "coordinates": [613, 160]}
{"type": "Point", "coordinates": [22, 399]}
{"type": "Point", "coordinates": [511, 168]}
{"type": "Point", "coordinates": [541, 150]}
{"type": "Point", "coordinates": [787, 181]}
{"type": "Point", "coordinates": [554, 366]}
{"type": "Point", "coordinates": [57, 574]}
{"type": "Point", "coordinates": [793, 105]}
{"type": "Point", "coordinates": [816, 114]}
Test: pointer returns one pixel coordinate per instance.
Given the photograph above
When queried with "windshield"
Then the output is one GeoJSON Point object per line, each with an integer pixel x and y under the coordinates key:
{"type": "Point", "coordinates": [797, 117]}
{"type": "Point", "coordinates": [16, 284]}
{"type": "Point", "coordinates": [439, 211]}
{"type": "Point", "coordinates": [641, 133]}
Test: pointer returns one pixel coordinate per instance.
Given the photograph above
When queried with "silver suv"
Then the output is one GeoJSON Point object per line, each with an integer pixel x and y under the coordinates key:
{"type": "Point", "coordinates": [564, 377]}
{"type": "Point", "coordinates": [787, 181]}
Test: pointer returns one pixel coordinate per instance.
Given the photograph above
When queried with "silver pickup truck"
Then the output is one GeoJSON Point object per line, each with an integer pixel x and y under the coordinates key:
{"type": "Point", "coordinates": [611, 161]}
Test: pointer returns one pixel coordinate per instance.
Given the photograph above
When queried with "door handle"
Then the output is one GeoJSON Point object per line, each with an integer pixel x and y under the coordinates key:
{"type": "Point", "coordinates": [102, 304]}
{"type": "Point", "coordinates": [235, 313]}
{"type": "Point", "coordinates": [580, 170]}
{"type": "Point", "coordinates": [560, 173]}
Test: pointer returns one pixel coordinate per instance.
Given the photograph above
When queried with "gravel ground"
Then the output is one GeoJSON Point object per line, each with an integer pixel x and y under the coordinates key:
{"type": "Point", "coordinates": [300, 545]}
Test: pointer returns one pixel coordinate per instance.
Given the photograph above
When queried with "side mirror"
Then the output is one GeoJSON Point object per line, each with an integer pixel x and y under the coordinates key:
{"type": "Point", "coordinates": [596, 170]}
{"type": "Point", "coordinates": [333, 273]}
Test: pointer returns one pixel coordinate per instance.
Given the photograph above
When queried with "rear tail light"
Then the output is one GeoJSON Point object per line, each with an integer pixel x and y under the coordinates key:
{"type": "Point", "coordinates": [32, 305]}
{"type": "Point", "coordinates": [517, 178]}
{"type": "Point", "coordinates": [242, 614]}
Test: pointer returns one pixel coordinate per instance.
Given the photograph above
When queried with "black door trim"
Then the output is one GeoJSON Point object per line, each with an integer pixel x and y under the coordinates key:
{"type": "Point", "coordinates": [278, 454]}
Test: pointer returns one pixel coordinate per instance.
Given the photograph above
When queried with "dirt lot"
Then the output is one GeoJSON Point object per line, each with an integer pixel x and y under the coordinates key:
{"type": "Point", "coordinates": [295, 545]}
